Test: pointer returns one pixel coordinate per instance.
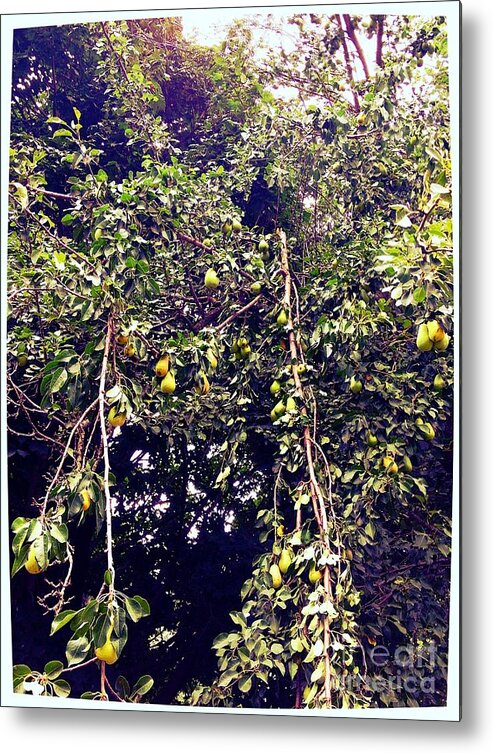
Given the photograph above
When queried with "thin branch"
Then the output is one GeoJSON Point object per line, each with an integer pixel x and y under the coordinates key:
{"type": "Point", "coordinates": [239, 312]}
{"type": "Point", "coordinates": [349, 69]}
{"type": "Point", "coordinates": [104, 439]}
{"type": "Point", "coordinates": [380, 25]}
{"type": "Point", "coordinates": [354, 39]}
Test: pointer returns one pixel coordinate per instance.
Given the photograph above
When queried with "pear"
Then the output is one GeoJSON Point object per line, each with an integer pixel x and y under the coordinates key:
{"type": "Point", "coordinates": [204, 388]}
{"type": "Point", "coordinates": [406, 462]}
{"type": "Point", "coordinates": [282, 318]}
{"type": "Point", "coordinates": [275, 387]}
{"type": "Point", "coordinates": [245, 351]}
{"type": "Point", "coordinates": [291, 405]}
{"type": "Point", "coordinates": [371, 439]}
{"type": "Point", "coordinates": [419, 422]}
{"type": "Point", "coordinates": [387, 461]}
{"type": "Point", "coordinates": [428, 431]}
{"type": "Point", "coordinates": [276, 576]}
{"type": "Point", "coordinates": [98, 233]}
{"type": "Point", "coordinates": [361, 120]}
{"type": "Point", "coordinates": [207, 242]}
{"type": "Point", "coordinates": [22, 360]}
{"type": "Point", "coordinates": [107, 652]}
{"type": "Point", "coordinates": [314, 575]}
{"type": "Point", "coordinates": [435, 331]}
{"type": "Point", "coordinates": [168, 384]}
{"type": "Point", "coordinates": [256, 287]}
{"type": "Point", "coordinates": [211, 280]}
{"type": "Point", "coordinates": [355, 385]}
{"type": "Point", "coordinates": [227, 227]}
{"type": "Point", "coordinates": [129, 350]}
{"type": "Point", "coordinates": [32, 565]}
{"type": "Point", "coordinates": [236, 226]}
{"type": "Point", "coordinates": [115, 418]}
{"type": "Point", "coordinates": [284, 561]}
{"type": "Point", "coordinates": [423, 341]}
{"type": "Point", "coordinates": [263, 246]}
{"type": "Point", "coordinates": [393, 468]}
{"type": "Point", "coordinates": [212, 358]}
{"type": "Point", "coordinates": [439, 383]}
{"type": "Point", "coordinates": [279, 409]}
{"type": "Point", "coordinates": [162, 366]}
{"type": "Point", "coordinates": [280, 530]}
{"type": "Point", "coordinates": [301, 368]}
{"type": "Point", "coordinates": [86, 499]}
{"type": "Point", "coordinates": [443, 343]}
{"type": "Point", "coordinates": [122, 339]}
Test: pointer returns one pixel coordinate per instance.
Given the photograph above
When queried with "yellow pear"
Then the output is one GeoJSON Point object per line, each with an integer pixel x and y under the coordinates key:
{"type": "Point", "coordinates": [236, 226]}
{"type": "Point", "coordinates": [276, 576]}
{"type": "Point", "coordinates": [204, 387]}
{"type": "Point", "coordinates": [314, 575]}
{"type": "Point", "coordinates": [435, 331]}
{"type": "Point", "coordinates": [282, 318]}
{"type": "Point", "coordinates": [86, 499]}
{"type": "Point", "coordinates": [443, 343]}
{"type": "Point", "coordinates": [122, 339]}
{"type": "Point", "coordinates": [275, 387]}
{"type": "Point", "coordinates": [284, 561]}
{"type": "Point", "coordinates": [279, 409]}
{"type": "Point", "coordinates": [32, 565]}
{"type": "Point", "coordinates": [211, 280]}
{"type": "Point", "coordinates": [355, 385]}
{"type": "Point", "coordinates": [393, 468]}
{"type": "Point", "coordinates": [227, 227]}
{"type": "Point", "coordinates": [162, 366]}
{"type": "Point", "coordinates": [371, 439]}
{"type": "Point", "coordinates": [211, 356]}
{"type": "Point", "coordinates": [387, 461]}
{"type": "Point", "coordinates": [245, 351]}
{"type": "Point", "coordinates": [423, 341]}
{"type": "Point", "coordinates": [439, 382]}
{"type": "Point", "coordinates": [168, 384]}
{"type": "Point", "coordinates": [129, 350]}
{"type": "Point", "coordinates": [291, 405]}
{"type": "Point", "coordinates": [107, 652]}
{"type": "Point", "coordinates": [428, 431]}
{"type": "Point", "coordinates": [115, 418]}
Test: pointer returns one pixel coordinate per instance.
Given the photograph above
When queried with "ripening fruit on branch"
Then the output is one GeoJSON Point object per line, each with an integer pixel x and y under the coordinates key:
{"type": "Point", "coordinates": [227, 227]}
{"type": "Point", "coordinates": [390, 465]}
{"type": "Point", "coordinates": [236, 226]}
{"type": "Point", "coordinates": [355, 385]}
{"type": "Point", "coordinates": [371, 439]}
{"type": "Point", "coordinates": [280, 530]}
{"type": "Point", "coordinates": [428, 431]}
{"type": "Point", "coordinates": [211, 280]}
{"type": "Point", "coordinates": [122, 339]}
{"type": "Point", "coordinates": [284, 561]}
{"type": "Point", "coordinates": [22, 360]}
{"type": "Point", "coordinates": [168, 384]}
{"type": "Point", "coordinates": [282, 318]}
{"type": "Point", "coordinates": [301, 368]}
{"type": "Point", "coordinates": [423, 341]}
{"type": "Point", "coordinates": [107, 652]}
{"type": "Point", "coordinates": [314, 575]}
{"type": "Point", "coordinates": [291, 405]}
{"type": "Point", "coordinates": [439, 383]}
{"type": "Point", "coordinates": [32, 565]}
{"type": "Point", "coordinates": [278, 410]}
{"type": "Point", "coordinates": [129, 350]}
{"type": "Point", "coordinates": [212, 358]}
{"type": "Point", "coordinates": [204, 387]}
{"type": "Point", "coordinates": [245, 351]}
{"type": "Point", "coordinates": [207, 242]}
{"type": "Point", "coordinates": [86, 499]}
{"type": "Point", "coordinates": [115, 418]}
{"type": "Point", "coordinates": [361, 120]}
{"type": "Point", "coordinates": [442, 344]}
{"type": "Point", "coordinates": [275, 387]}
{"type": "Point", "coordinates": [162, 366]}
{"type": "Point", "coordinates": [276, 576]}
{"type": "Point", "coordinates": [263, 246]}
{"type": "Point", "coordinates": [406, 462]}
{"type": "Point", "coordinates": [435, 331]}
{"type": "Point", "coordinates": [256, 287]}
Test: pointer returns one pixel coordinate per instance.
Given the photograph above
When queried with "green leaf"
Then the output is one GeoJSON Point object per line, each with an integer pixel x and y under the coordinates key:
{"type": "Point", "coordinates": [419, 294]}
{"type": "Point", "coordinates": [53, 382]}
{"type": "Point", "coordinates": [245, 684]}
{"type": "Point", "coordinates": [53, 669]}
{"type": "Point", "coordinates": [143, 685]}
{"type": "Point", "coordinates": [59, 531]}
{"type": "Point", "coordinates": [61, 620]}
{"type": "Point", "coordinates": [77, 650]}
{"type": "Point", "coordinates": [61, 688]}
{"type": "Point", "coordinates": [133, 608]}
{"type": "Point", "coordinates": [19, 671]}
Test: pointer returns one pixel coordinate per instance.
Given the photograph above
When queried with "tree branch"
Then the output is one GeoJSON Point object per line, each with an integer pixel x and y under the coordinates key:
{"type": "Point", "coordinates": [354, 39]}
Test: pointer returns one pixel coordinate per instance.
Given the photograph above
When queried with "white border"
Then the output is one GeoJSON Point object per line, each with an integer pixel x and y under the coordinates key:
{"type": "Point", "coordinates": [451, 10]}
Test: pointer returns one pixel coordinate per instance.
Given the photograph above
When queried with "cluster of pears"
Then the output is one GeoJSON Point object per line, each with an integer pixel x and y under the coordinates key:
{"type": "Point", "coordinates": [129, 349]}
{"type": "Point", "coordinates": [241, 348]}
{"type": "Point", "coordinates": [280, 568]}
{"type": "Point", "coordinates": [281, 407]}
{"type": "Point", "coordinates": [432, 336]}
{"type": "Point", "coordinates": [164, 372]}
{"type": "Point", "coordinates": [230, 226]}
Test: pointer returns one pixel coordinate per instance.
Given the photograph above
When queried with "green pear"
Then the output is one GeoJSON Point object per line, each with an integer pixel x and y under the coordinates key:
{"type": "Point", "coordinates": [211, 280]}
{"type": "Point", "coordinates": [355, 385]}
{"type": "Point", "coordinates": [236, 226]}
{"type": "Point", "coordinates": [371, 439]}
{"type": "Point", "coordinates": [314, 575]}
{"type": "Point", "coordinates": [263, 246]}
{"type": "Point", "coordinates": [275, 387]}
{"type": "Point", "coordinates": [168, 384]}
{"type": "Point", "coordinates": [279, 409]}
{"type": "Point", "coordinates": [443, 343]}
{"type": "Point", "coordinates": [439, 383]}
{"type": "Point", "coordinates": [256, 287]}
{"type": "Point", "coordinates": [282, 318]}
{"type": "Point", "coordinates": [435, 331]}
{"type": "Point", "coordinates": [291, 405]}
{"type": "Point", "coordinates": [227, 227]}
{"type": "Point", "coordinates": [423, 341]}
{"type": "Point", "coordinates": [284, 561]}
{"type": "Point", "coordinates": [406, 462]}
{"type": "Point", "coordinates": [276, 576]}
